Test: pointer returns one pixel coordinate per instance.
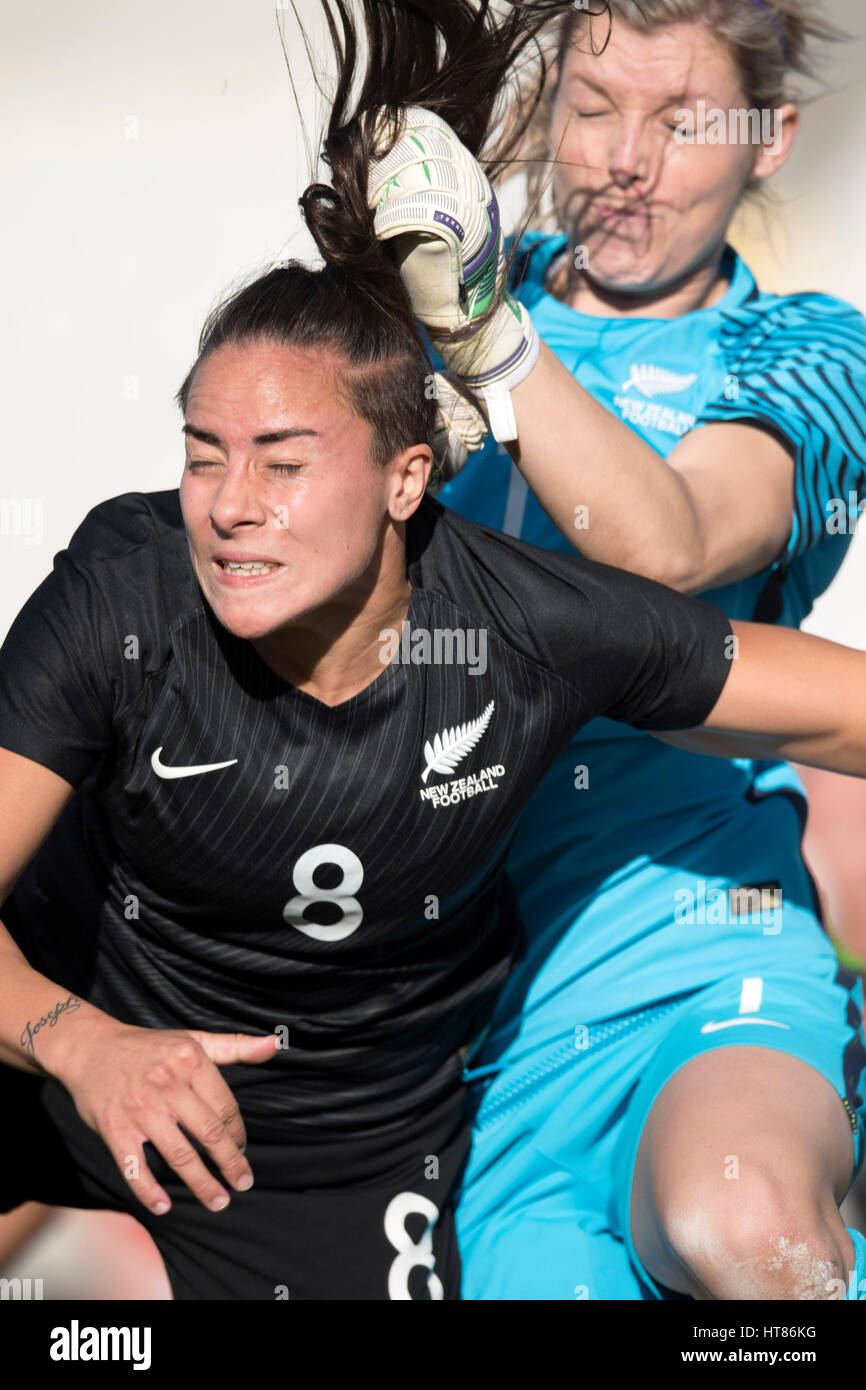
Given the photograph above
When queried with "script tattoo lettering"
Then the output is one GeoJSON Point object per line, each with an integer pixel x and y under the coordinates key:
{"type": "Point", "coordinates": [65, 1006]}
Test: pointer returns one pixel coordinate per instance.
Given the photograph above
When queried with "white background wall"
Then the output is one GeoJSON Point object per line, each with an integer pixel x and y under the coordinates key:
{"type": "Point", "coordinates": [152, 154]}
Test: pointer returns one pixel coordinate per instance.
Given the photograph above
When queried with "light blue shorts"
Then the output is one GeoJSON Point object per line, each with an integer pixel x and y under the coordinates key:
{"type": "Point", "coordinates": [545, 1203]}
{"type": "Point", "coordinates": [562, 1103]}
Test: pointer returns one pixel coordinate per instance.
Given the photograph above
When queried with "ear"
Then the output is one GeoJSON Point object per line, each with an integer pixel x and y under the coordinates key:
{"type": "Point", "coordinates": [773, 153]}
{"type": "Point", "coordinates": [409, 473]}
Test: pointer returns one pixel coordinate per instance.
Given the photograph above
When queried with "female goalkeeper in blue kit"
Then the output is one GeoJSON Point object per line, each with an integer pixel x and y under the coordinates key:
{"type": "Point", "coordinates": [671, 1083]}
{"type": "Point", "coordinates": [242, 830]}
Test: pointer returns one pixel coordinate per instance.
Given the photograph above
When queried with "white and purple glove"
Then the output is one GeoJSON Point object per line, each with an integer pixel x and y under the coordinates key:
{"type": "Point", "coordinates": [431, 194]}
{"type": "Point", "coordinates": [460, 430]}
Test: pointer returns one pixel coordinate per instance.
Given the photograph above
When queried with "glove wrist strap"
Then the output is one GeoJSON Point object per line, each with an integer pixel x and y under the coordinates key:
{"type": "Point", "coordinates": [518, 340]}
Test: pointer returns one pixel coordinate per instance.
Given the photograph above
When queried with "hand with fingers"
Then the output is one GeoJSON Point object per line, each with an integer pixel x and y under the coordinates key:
{"type": "Point", "coordinates": [460, 430]}
{"type": "Point", "coordinates": [432, 195]}
{"type": "Point", "coordinates": [132, 1085]}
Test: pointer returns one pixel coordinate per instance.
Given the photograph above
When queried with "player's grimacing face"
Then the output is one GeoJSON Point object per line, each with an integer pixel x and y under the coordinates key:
{"type": "Point", "coordinates": [646, 207]}
{"type": "Point", "coordinates": [277, 474]}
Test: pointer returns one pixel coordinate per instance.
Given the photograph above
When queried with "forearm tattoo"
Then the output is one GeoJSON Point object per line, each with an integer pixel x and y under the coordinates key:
{"type": "Point", "coordinates": [65, 1006]}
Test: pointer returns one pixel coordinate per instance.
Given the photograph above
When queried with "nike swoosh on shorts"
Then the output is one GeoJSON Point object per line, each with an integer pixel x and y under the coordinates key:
{"type": "Point", "coordinates": [734, 1022]}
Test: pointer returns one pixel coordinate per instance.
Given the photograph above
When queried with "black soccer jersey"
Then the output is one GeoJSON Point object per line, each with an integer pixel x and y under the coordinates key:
{"type": "Point", "coordinates": [238, 856]}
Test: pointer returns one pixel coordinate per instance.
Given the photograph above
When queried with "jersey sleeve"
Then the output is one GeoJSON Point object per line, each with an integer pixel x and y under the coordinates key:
{"type": "Point", "coordinates": [627, 648]}
{"type": "Point", "coordinates": [61, 661]}
{"type": "Point", "coordinates": [801, 375]}
{"type": "Point", "coordinates": [636, 651]}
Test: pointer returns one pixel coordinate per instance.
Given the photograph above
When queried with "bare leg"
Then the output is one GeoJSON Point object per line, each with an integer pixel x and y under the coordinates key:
{"type": "Point", "coordinates": [833, 846]}
{"type": "Point", "coordinates": [742, 1164]}
{"type": "Point", "coordinates": [19, 1226]}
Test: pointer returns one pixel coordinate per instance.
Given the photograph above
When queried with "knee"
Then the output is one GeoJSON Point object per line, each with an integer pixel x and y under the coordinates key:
{"type": "Point", "coordinates": [757, 1236]}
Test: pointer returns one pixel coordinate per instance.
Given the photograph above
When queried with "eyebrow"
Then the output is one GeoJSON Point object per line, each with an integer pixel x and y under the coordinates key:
{"type": "Point", "coordinates": [588, 82]}
{"type": "Point", "coordinates": [575, 77]}
{"type": "Point", "coordinates": [271, 437]}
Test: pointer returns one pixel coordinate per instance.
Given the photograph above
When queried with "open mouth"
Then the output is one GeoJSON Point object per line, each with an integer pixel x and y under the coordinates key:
{"type": "Point", "coordinates": [246, 573]}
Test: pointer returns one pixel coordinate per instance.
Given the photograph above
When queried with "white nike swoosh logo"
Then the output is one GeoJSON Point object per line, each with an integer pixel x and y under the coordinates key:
{"type": "Point", "coordinates": [734, 1022]}
{"type": "Point", "coordinates": [162, 771]}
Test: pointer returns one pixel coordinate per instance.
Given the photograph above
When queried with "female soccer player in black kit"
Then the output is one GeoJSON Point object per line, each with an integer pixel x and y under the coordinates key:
{"type": "Point", "coordinates": [263, 742]}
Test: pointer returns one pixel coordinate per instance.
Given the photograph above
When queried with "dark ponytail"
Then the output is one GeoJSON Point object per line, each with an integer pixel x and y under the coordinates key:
{"type": "Point", "coordinates": [453, 57]}
{"type": "Point", "coordinates": [482, 70]}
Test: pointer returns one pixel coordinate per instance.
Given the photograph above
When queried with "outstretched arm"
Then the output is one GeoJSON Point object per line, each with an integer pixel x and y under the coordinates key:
{"type": "Point", "coordinates": [789, 695]}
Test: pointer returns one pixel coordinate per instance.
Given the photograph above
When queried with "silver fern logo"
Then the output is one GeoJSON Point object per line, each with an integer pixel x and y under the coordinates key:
{"type": "Point", "coordinates": [451, 746]}
{"type": "Point", "coordinates": [657, 381]}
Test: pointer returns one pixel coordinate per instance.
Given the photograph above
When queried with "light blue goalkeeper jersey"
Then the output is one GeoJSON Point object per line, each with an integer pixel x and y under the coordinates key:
{"type": "Point", "coordinates": [597, 856]}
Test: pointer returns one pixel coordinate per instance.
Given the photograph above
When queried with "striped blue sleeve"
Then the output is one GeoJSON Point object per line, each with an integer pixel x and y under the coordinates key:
{"type": "Point", "coordinates": [799, 371]}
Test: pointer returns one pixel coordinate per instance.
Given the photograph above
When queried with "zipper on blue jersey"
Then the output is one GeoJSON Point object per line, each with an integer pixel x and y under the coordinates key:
{"type": "Point", "coordinates": [559, 1059]}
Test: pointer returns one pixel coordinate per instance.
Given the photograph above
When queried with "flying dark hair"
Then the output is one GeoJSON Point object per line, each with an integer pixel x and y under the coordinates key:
{"type": "Point", "coordinates": [454, 57]}
{"type": "Point", "coordinates": [486, 72]}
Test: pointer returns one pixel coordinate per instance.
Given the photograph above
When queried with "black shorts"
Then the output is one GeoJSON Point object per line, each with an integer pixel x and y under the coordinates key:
{"type": "Point", "coordinates": [372, 1220]}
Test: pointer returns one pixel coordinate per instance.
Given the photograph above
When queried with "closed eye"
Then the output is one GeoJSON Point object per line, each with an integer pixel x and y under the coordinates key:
{"type": "Point", "coordinates": [195, 464]}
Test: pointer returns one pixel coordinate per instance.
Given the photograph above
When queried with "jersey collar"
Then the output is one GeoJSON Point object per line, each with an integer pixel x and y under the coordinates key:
{"type": "Point", "coordinates": [545, 252]}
